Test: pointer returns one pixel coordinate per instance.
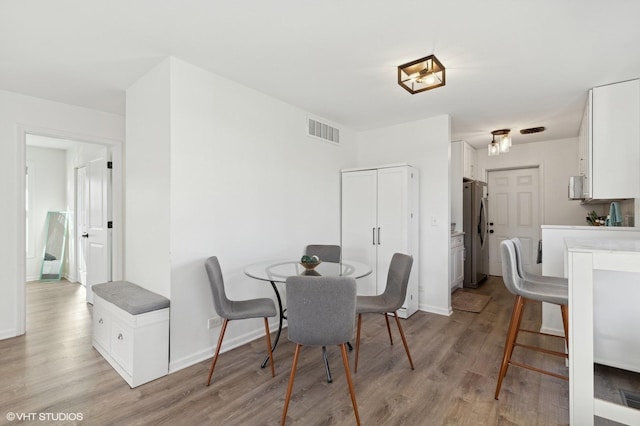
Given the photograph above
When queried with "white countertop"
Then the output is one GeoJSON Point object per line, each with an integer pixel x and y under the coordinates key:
{"type": "Point", "coordinates": [602, 245]}
{"type": "Point", "coordinates": [457, 233]}
{"type": "Point", "coordinates": [592, 228]}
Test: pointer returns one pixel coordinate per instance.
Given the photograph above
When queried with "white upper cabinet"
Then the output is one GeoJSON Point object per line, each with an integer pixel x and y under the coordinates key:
{"type": "Point", "coordinates": [469, 162]}
{"type": "Point", "coordinates": [613, 156]}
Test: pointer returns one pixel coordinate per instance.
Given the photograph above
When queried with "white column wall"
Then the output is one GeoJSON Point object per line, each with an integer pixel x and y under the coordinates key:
{"type": "Point", "coordinates": [20, 114]}
{"type": "Point", "coordinates": [148, 174]}
{"type": "Point", "coordinates": [425, 145]}
{"type": "Point", "coordinates": [245, 184]}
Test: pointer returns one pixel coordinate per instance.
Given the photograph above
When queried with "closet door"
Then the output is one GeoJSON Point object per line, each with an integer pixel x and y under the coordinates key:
{"type": "Point", "coordinates": [359, 223]}
{"type": "Point", "coordinates": [392, 221]}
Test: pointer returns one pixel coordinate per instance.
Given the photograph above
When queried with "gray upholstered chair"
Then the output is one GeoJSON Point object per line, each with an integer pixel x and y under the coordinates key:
{"type": "Point", "coordinates": [517, 244]}
{"type": "Point", "coordinates": [321, 311]}
{"type": "Point", "coordinates": [526, 291]}
{"type": "Point", "coordinates": [326, 253]}
{"type": "Point", "coordinates": [389, 301]}
{"type": "Point", "coordinates": [236, 309]}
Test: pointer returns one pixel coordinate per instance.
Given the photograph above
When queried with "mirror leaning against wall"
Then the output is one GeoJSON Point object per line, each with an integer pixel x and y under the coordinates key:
{"type": "Point", "coordinates": [56, 239]}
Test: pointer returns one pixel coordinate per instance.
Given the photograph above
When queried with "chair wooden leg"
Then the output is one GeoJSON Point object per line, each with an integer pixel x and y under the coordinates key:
{"type": "Point", "coordinates": [512, 335]}
{"type": "Point", "coordinates": [386, 318]}
{"type": "Point", "coordinates": [268, 334]}
{"type": "Point", "coordinates": [404, 340]}
{"type": "Point", "coordinates": [347, 372]}
{"type": "Point", "coordinates": [290, 387]}
{"type": "Point", "coordinates": [565, 322]}
{"type": "Point", "coordinates": [355, 369]}
{"type": "Point", "coordinates": [215, 356]}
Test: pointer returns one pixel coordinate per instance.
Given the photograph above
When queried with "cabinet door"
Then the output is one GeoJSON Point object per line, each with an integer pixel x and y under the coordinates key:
{"type": "Point", "coordinates": [458, 264]}
{"type": "Point", "coordinates": [122, 345]}
{"type": "Point", "coordinates": [101, 324]}
{"type": "Point", "coordinates": [469, 162]}
{"type": "Point", "coordinates": [392, 219]}
{"type": "Point", "coordinates": [616, 140]}
{"type": "Point", "coordinates": [359, 223]}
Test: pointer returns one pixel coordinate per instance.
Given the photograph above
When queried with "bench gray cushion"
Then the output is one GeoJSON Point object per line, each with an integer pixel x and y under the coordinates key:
{"type": "Point", "coordinates": [130, 297]}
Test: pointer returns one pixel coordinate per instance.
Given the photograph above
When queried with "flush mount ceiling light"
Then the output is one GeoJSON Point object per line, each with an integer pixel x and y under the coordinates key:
{"type": "Point", "coordinates": [503, 143]}
{"type": "Point", "coordinates": [422, 74]}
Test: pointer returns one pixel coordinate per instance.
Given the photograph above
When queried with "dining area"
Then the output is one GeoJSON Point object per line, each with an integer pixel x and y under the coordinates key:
{"type": "Point", "coordinates": [320, 307]}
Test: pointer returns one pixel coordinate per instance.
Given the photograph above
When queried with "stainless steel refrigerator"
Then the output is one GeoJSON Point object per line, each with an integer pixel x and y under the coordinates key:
{"type": "Point", "coordinates": [475, 227]}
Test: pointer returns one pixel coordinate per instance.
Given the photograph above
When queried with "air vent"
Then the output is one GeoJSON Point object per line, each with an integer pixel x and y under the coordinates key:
{"type": "Point", "coordinates": [323, 131]}
{"type": "Point", "coordinates": [532, 130]}
{"type": "Point", "coordinates": [630, 399]}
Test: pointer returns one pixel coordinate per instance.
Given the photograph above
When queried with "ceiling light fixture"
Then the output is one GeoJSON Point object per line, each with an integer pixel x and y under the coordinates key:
{"type": "Point", "coordinates": [421, 74]}
{"type": "Point", "coordinates": [503, 143]}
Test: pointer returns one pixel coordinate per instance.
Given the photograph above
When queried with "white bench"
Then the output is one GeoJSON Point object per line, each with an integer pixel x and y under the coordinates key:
{"type": "Point", "coordinates": [131, 330]}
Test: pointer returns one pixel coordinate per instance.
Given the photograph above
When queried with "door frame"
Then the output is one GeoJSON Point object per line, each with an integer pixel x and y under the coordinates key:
{"type": "Point", "coordinates": [541, 181]}
{"type": "Point", "coordinates": [115, 147]}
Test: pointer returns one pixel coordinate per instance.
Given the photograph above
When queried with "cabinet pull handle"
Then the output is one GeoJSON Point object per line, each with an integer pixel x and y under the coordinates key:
{"type": "Point", "coordinates": [378, 235]}
{"type": "Point", "coordinates": [100, 321]}
{"type": "Point", "coordinates": [373, 236]}
{"type": "Point", "coordinates": [120, 336]}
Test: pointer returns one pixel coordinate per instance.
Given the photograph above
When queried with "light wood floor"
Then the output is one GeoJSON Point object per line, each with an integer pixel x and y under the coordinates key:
{"type": "Point", "coordinates": [53, 368]}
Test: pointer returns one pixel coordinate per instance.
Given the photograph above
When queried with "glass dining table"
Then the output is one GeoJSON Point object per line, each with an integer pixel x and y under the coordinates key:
{"type": "Point", "coordinates": [277, 271]}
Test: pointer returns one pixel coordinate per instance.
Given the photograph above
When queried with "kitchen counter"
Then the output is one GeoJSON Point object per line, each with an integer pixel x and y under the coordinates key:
{"type": "Point", "coordinates": [592, 228]}
{"type": "Point", "coordinates": [554, 259]}
{"type": "Point", "coordinates": [588, 259]}
{"type": "Point", "coordinates": [457, 233]}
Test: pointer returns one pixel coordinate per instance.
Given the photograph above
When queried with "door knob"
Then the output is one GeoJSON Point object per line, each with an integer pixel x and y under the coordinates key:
{"type": "Point", "coordinates": [85, 235]}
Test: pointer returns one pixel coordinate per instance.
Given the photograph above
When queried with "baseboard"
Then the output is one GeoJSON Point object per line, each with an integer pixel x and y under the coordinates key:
{"type": "Point", "coordinates": [436, 310]}
{"type": "Point", "coordinates": [8, 333]}
{"type": "Point", "coordinates": [227, 345]}
{"type": "Point", "coordinates": [554, 331]}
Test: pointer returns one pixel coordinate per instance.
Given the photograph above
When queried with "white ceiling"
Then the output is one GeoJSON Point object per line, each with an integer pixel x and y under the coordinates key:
{"type": "Point", "coordinates": [510, 63]}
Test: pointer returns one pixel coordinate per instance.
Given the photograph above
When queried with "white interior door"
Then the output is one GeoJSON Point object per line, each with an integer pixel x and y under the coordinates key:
{"type": "Point", "coordinates": [98, 253]}
{"type": "Point", "coordinates": [82, 215]}
{"type": "Point", "coordinates": [359, 223]}
{"type": "Point", "coordinates": [514, 211]}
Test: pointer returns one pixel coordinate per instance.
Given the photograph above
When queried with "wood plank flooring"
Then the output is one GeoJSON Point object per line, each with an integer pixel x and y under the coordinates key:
{"type": "Point", "coordinates": [54, 369]}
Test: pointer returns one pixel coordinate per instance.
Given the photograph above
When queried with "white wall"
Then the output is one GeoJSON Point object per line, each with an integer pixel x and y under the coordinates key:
{"type": "Point", "coordinates": [424, 144]}
{"type": "Point", "coordinates": [20, 114]}
{"type": "Point", "coordinates": [246, 184]}
{"type": "Point", "coordinates": [47, 183]}
{"type": "Point", "coordinates": [148, 173]}
{"type": "Point", "coordinates": [558, 160]}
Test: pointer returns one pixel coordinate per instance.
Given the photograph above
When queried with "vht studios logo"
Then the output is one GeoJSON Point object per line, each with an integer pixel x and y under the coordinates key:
{"type": "Point", "coordinates": [45, 417]}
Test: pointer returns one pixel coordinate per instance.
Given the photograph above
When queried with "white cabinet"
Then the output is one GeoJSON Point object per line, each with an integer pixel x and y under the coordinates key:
{"type": "Point", "coordinates": [613, 141]}
{"type": "Point", "coordinates": [380, 217]}
{"type": "Point", "coordinates": [136, 346]}
{"type": "Point", "coordinates": [456, 262]}
{"type": "Point", "coordinates": [469, 162]}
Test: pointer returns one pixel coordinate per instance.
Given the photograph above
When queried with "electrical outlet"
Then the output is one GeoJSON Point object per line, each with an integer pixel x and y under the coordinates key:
{"type": "Point", "coordinates": [214, 322]}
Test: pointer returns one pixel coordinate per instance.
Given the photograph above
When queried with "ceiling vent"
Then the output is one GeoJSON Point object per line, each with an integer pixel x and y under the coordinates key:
{"type": "Point", "coordinates": [318, 129]}
{"type": "Point", "coordinates": [532, 130]}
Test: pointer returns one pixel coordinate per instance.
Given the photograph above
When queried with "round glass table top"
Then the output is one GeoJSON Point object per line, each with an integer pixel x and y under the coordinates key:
{"type": "Point", "coordinates": [280, 270]}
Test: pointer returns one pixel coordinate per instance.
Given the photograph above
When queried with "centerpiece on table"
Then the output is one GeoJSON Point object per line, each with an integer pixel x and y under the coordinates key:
{"type": "Point", "coordinates": [310, 262]}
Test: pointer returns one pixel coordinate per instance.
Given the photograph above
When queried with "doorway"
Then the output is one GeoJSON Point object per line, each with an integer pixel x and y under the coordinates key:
{"type": "Point", "coordinates": [514, 211]}
{"type": "Point", "coordinates": [86, 195]}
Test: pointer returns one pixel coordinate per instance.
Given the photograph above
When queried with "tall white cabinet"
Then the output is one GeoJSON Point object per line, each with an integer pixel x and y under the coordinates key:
{"type": "Point", "coordinates": [380, 217]}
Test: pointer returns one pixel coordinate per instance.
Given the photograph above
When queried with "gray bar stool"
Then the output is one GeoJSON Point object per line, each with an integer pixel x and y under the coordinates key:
{"type": "Point", "coordinates": [526, 291]}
